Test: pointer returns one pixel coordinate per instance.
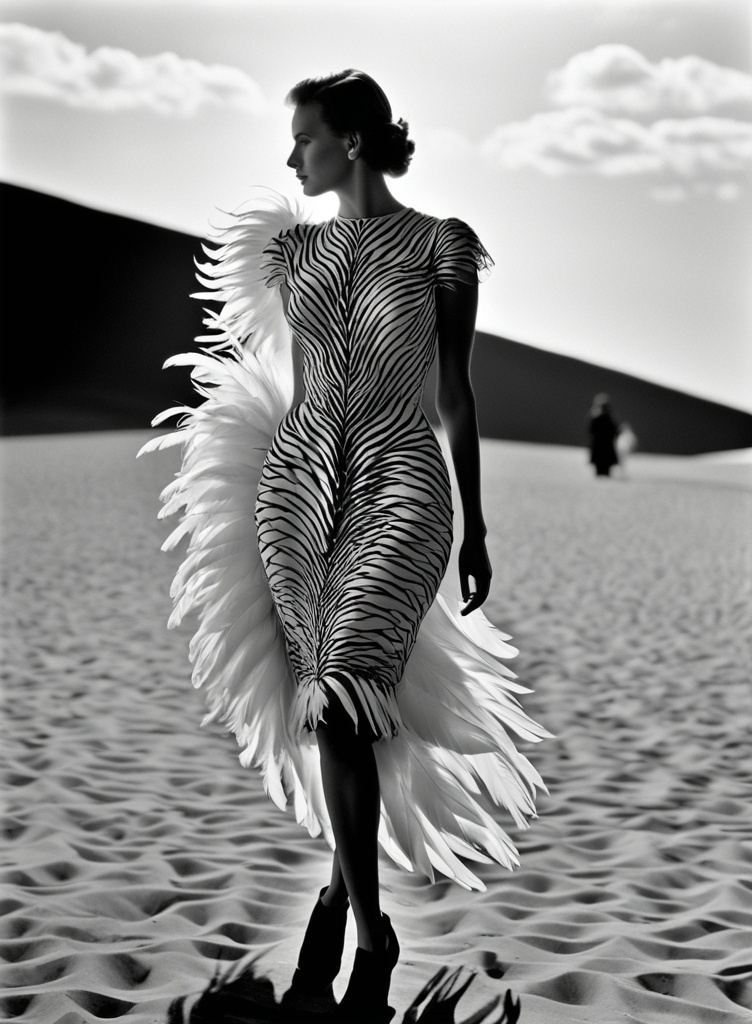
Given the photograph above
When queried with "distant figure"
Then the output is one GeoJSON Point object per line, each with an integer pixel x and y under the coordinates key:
{"type": "Point", "coordinates": [603, 431]}
{"type": "Point", "coordinates": [626, 443]}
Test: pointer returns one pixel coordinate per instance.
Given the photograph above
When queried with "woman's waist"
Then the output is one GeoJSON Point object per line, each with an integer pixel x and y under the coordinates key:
{"type": "Point", "coordinates": [340, 419]}
{"type": "Point", "coordinates": [331, 435]}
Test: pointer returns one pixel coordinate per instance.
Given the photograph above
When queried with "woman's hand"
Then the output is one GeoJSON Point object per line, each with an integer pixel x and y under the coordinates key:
{"type": "Point", "coordinates": [473, 562]}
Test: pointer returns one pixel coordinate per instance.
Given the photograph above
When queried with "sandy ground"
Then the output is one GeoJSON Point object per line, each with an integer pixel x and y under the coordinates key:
{"type": "Point", "coordinates": [142, 861]}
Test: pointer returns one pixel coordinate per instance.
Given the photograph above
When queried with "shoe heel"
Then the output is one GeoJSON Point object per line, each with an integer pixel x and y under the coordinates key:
{"type": "Point", "coordinates": [366, 1000]}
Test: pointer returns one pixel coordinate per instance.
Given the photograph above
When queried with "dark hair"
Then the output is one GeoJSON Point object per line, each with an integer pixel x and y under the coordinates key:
{"type": "Point", "coordinates": [352, 101]}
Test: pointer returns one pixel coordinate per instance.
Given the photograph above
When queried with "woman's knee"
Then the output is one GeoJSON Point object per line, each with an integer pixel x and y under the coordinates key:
{"type": "Point", "coordinates": [339, 735]}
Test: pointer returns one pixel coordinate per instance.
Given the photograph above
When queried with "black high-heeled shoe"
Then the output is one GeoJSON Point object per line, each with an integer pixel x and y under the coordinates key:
{"type": "Point", "coordinates": [320, 955]}
{"type": "Point", "coordinates": [366, 1000]}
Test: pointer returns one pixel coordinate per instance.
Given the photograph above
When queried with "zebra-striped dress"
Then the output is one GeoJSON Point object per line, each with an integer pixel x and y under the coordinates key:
{"type": "Point", "coordinates": [354, 511]}
{"type": "Point", "coordinates": [318, 535]}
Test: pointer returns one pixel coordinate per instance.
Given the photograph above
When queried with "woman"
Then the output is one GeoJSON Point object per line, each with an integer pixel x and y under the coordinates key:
{"type": "Point", "coordinates": [385, 715]}
{"type": "Point", "coordinates": [603, 433]}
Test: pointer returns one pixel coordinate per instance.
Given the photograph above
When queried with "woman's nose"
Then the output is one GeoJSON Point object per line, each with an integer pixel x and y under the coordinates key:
{"type": "Point", "coordinates": [291, 161]}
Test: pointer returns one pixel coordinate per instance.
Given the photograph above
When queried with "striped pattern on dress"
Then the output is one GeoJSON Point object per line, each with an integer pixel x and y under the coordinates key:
{"type": "Point", "coordinates": [455, 755]}
{"type": "Point", "coordinates": [354, 512]}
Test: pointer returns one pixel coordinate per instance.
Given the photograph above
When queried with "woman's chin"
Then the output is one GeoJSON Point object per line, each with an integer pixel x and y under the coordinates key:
{"type": "Point", "coordinates": [311, 189]}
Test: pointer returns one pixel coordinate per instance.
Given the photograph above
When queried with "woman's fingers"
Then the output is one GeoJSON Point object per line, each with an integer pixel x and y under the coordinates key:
{"type": "Point", "coordinates": [475, 575]}
{"type": "Point", "coordinates": [474, 591]}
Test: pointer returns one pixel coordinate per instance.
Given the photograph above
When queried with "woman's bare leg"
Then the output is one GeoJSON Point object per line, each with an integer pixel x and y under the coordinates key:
{"type": "Point", "coordinates": [336, 894]}
{"type": "Point", "coordinates": [351, 789]}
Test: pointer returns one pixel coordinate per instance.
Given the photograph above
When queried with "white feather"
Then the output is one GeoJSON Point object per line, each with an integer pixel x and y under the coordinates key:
{"type": "Point", "coordinates": [453, 757]}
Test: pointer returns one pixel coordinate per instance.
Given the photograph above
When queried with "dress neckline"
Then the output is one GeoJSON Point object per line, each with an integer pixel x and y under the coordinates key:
{"type": "Point", "coordinates": [380, 216]}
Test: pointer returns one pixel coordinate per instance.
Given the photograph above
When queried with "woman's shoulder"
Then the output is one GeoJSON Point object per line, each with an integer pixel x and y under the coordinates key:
{"type": "Point", "coordinates": [459, 254]}
{"type": "Point", "coordinates": [439, 224]}
{"type": "Point", "coordinates": [450, 233]}
{"type": "Point", "coordinates": [454, 226]}
{"type": "Point", "coordinates": [293, 233]}
{"type": "Point", "coordinates": [284, 243]}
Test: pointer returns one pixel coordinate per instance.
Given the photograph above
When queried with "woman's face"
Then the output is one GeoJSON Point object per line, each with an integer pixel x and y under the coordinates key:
{"type": "Point", "coordinates": [319, 157]}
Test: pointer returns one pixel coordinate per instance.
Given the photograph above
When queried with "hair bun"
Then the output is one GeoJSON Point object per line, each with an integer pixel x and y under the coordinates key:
{"type": "Point", "coordinates": [390, 149]}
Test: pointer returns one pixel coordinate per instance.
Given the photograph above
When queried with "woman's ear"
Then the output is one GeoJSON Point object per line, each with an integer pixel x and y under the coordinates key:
{"type": "Point", "coordinates": [354, 145]}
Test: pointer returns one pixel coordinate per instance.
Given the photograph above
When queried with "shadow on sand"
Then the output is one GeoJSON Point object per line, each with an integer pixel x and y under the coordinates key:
{"type": "Point", "coordinates": [246, 997]}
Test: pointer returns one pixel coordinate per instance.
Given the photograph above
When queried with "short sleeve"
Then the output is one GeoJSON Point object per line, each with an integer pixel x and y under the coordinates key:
{"type": "Point", "coordinates": [276, 257]}
{"type": "Point", "coordinates": [459, 255]}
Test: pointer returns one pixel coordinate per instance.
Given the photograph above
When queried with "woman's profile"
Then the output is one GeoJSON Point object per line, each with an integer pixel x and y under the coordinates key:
{"type": "Point", "coordinates": [318, 508]}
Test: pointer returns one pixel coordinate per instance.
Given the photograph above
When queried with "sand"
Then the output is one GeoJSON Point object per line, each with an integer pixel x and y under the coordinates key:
{"type": "Point", "coordinates": [141, 861]}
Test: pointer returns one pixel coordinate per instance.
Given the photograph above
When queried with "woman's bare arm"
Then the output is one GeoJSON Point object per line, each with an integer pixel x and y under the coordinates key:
{"type": "Point", "coordinates": [455, 404]}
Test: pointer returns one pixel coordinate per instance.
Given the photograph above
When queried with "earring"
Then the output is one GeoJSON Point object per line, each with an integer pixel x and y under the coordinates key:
{"type": "Point", "coordinates": [351, 154]}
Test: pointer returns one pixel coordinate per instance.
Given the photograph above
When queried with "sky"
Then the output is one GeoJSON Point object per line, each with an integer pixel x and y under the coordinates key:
{"type": "Point", "coordinates": [602, 149]}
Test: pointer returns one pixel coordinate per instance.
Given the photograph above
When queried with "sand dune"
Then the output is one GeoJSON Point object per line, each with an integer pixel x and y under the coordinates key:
{"type": "Point", "coordinates": [142, 862]}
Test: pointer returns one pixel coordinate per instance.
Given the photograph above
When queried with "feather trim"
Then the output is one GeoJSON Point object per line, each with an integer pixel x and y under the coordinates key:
{"type": "Point", "coordinates": [455, 707]}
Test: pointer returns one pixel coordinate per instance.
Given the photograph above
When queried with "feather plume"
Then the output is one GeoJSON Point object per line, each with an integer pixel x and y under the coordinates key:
{"type": "Point", "coordinates": [453, 757]}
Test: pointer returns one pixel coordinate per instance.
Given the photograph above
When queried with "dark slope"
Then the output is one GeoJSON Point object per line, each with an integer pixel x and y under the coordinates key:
{"type": "Point", "coordinates": [94, 303]}
{"type": "Point", "coordinates": [527, 394]}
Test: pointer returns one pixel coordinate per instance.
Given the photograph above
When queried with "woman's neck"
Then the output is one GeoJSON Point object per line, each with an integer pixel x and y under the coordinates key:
{"type": "Point", "coordinates": [366, 195]}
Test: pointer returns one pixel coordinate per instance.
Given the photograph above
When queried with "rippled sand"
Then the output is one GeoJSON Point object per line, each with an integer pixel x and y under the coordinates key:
{"type": "Point", "coordinates": [143, 862]}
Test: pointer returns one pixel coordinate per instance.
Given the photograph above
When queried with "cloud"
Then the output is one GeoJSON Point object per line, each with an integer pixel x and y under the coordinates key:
{"type": "Point", "coordinates": [585, 140]}
{"type": "Point", "coordinates": [687, 121]}
{"type": "Point", "coordinates": [34, 62]}
{"type": "Point", "coordinates": [621, 82]}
